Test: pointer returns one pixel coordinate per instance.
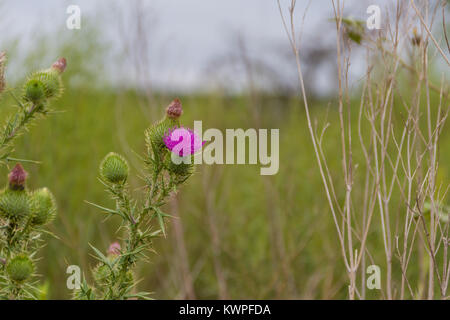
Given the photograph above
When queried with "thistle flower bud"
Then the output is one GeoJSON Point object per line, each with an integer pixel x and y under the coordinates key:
{"type": "Point", "coordinates": [17, 178]}
{"type": "Point", "coordinates": [154, 135]}
{"type": "Point", "coordinates": [2, 71]}
{"type": "Point", "coordinates": [114, 168]}
{"type": "Point", "coordinates": [114, 249]}
{"type": "Point", "coordinates": [60, 65]}
{"type": "Point", "coordinates": [14, 204]}
{"type": "Point", "coordinates": [43, 206]}
{"type": "Point", "coordinates": [49, 79]}
{"type": "Point", "coordinates": [20, 268]}
{"type": "Point", "coordinates": [34, 91]}
{"type": "Point", "coordinates": [174, 110]}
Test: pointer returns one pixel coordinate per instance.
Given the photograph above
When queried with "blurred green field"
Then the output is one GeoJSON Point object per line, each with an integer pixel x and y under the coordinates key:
{"type": "Point", "coordinates": [238, 235]}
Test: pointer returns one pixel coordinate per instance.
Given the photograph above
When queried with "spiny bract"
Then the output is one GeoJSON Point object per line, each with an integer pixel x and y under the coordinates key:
{"type": "Point", "coordinates": [180, 166]}
{"type": "Point", "coordinates": [102, 274]}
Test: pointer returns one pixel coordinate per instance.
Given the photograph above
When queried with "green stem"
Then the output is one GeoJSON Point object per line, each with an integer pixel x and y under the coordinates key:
{"type": "Point", "coordinates": [22, 160]}
{"type": "Point", "coordinates": [21, 233]}
{"type": "Point", "coordinates": [27, 116]}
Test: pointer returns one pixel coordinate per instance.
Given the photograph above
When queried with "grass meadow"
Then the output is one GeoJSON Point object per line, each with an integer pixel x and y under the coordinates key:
{"type": "Point", "coordinates": [237, 234]}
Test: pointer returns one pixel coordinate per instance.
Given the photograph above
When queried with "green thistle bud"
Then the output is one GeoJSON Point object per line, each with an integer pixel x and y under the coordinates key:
{"type": "Point", "coordinates": [20, 268]}
{"type": "Point", "coordinates": [114, 168]}
{"type": "Point", "coordinates": [50, 80]}
{"type": "Point", "coordinates": [154, 136]}
{"type": "Point", "coordinates": [14, 200]}
{"type": "Point", "coordinates": [34, 91]}
{"type": "Point", "coordinates": [43, 206]}
{"type": "Point", "coordinates": [14, 204]}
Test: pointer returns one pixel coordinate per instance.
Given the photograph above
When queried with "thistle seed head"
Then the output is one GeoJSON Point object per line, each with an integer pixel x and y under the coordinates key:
{"type": "Point", "coordinates": [17, 178]}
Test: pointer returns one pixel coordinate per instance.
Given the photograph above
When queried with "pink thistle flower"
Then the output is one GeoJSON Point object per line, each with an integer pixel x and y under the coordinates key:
{"type": "Point", "coordinates": [182, 141]}
{"type": "Point", "coordinates": [17, 177]}
{"type": "Point", "coordinates": [60, 65]}
{"type": "Point", "coordinates": [114, 248]}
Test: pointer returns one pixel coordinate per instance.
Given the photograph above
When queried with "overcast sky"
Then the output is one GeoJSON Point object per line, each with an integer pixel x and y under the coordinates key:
{"type": "Point", "coordinates": [186, 35]}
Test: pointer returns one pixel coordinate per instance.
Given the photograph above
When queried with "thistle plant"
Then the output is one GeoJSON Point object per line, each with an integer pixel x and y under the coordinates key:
{"type": "Point", "coordinates": [168, 164]}
{"type": "Point", "coordinates": [39, 90]}
{"type": "Point", "coordinates": [23, 215]}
